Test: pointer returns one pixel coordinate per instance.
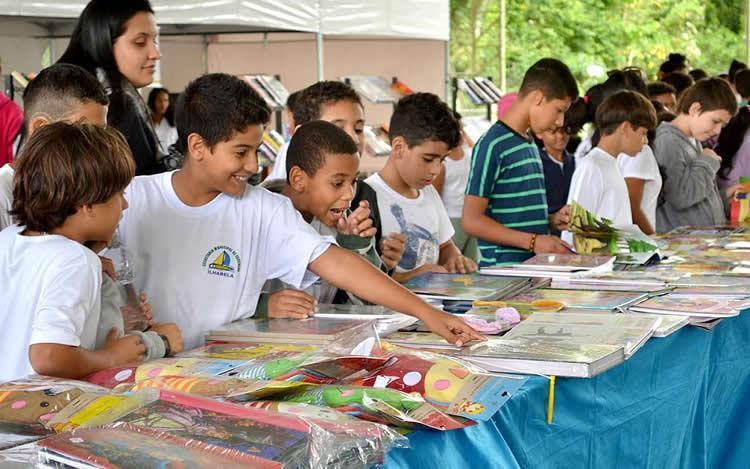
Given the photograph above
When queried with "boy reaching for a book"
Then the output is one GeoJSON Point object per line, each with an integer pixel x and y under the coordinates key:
{"type": "Point", "coordinates": [204, 242]}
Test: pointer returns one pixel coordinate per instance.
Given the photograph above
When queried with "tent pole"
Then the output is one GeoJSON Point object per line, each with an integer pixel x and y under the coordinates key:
{"type": "Point", "coordinates": [319, 47]}
{"type": "Point", "coordinates": [503, 36]}
{"type": "Point", "coordinates": [747, 30]}
{"type": "Point", "coordinates": [205, 54]}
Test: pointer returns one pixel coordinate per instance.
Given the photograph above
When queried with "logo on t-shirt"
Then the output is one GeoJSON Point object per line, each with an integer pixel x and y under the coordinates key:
{"type": "Point", "coordinates": [222, 261]}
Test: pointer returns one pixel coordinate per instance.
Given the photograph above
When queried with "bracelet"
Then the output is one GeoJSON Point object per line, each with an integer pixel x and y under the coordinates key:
{"type": "Point", "coordinates": [167, 348]}
{"type": "Point", "coordinates": [532, 243]}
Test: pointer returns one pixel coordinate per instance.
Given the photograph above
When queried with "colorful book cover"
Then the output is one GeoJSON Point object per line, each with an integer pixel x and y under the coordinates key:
{"type": "Point", "coordinates": [93, 409]}
{"type": "Point", "coordinates": [247, 351]}
{"type": "Point", "coordinates": [463, 286]}
{"type": "Point", "coordinates": [254, 432]}
{"type": "Point", "coordinates": [185, 367]}
{"type": "Point", "coordinates": [691, 306]}
{"type": "Point", "coordinates": [586, 299]}
{"type": "Point", "coordinates": [133, 447]}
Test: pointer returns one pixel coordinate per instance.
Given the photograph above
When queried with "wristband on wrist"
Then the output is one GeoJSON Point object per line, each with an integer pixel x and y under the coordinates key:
{"type": "Point", "coordinates": [167, 348]}
{"type": "Point", "coordinates": [532, 242]}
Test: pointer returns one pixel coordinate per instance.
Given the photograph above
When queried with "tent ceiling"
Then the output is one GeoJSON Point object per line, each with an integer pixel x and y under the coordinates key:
{"type": "Point", "coordinates": [428, 19]}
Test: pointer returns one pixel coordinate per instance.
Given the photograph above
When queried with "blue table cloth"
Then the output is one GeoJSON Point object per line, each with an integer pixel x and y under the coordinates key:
{"type": "Point", "coordinates": [680, 402]}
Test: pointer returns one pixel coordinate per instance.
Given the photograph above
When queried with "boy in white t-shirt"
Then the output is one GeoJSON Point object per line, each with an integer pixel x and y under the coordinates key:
{"type": "Point", "coordinates": [62, 92]}
{"type": "Point", "coordinates": [422, 131]}
{"type": "Point", "coordinates": [644, 181]}
{"type": "Point", "coordinates": [623, 120]}
{"type": "Point", "coordinates": [68, 192]}
{"type": "Point", "coordinates": [203, 242]}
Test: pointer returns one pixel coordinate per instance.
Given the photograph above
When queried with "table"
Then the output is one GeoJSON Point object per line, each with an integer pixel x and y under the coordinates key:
{"type": "Point", "coordinates": [680, 402]}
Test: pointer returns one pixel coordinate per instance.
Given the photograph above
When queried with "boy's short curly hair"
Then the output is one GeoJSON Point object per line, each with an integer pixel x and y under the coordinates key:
{"type": "Point", "coordinates": [423, 117]}
{"type": "Point", "coordinates": [313, 142]}
{"type": "Point", "coordinates": [217, 105]}
{"type": "Point", "coordinates": [66, 166]}
{"type": "Point", "coordinates": [310, 101]}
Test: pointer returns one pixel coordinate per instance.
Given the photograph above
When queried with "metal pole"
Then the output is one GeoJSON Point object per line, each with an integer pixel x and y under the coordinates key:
{"type": "Point", "coordinates": [205, 54]}
{"type": "Point", "coordinates": [446, 71]}
{"type": "Point", "coordinates": [319, 47]}
{"type": "Point", "coordinates": [747, 31]}
{"type": "Point", "coordinates": [503, 65]}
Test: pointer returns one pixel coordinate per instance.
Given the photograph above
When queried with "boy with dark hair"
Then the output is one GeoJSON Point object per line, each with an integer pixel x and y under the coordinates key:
{"type": "Point", "coordinates": [623, 120]}
{"type": "Point", "coordinates": [331, 101]}
{"type": "Point", "coordinates": [68, 192]}
{"type": "Point", "coordinates": [323, 166]}
{"type": "Point", "coordinates": [339, 104]}
{"type": "Point", "coordinates": [505, 205]}
{"type": "Point", "coordinates": [205, 242]}
{"type": "Point", "coordinates": [664, 93]}
{"type": "Point", "coordinates": [422, 131]}
{"type": "Point", "coordinates": [62, 92]}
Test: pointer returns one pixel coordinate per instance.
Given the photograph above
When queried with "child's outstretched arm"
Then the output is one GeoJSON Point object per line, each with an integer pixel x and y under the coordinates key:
{"type": "Point", "coordinates": [348, 271]}
{"type": "Point", "coordinates": [65, 361]}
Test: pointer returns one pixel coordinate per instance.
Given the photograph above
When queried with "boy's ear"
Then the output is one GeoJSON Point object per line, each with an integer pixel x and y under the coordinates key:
{"type": "Point", "coordinates": [399, 146]}
{"type": "Point", "coordinates": [37, 122]}
{"type": "Point", "coordinates": [695, 109]}
{"type": "Point", "coordinates": [536, 97]}
{"type": "Point", "coordinates": [297, 179]}
{"type": "Point", "coordinates": [196, 146]}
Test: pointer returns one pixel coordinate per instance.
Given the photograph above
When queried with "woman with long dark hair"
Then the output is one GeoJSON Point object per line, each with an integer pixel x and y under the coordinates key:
{"type": "Point", "coordinates": [162, 116]}
{"type": "Point", "coordinates": [116, 41]}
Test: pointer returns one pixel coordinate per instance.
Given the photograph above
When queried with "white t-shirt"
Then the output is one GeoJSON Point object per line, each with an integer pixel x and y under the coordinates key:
{"type": "Point", "coordinates": [456, 178]}
{"type": "Point", "coordinates": [203, 267]}
{"type": "Point", "coordinates": [49, 293]}
{"type": "Point", "coordinates": [166, 134]}
{"type": "Point", "coordinates": [279, 166]}
{"type": "Point", "coordinates": [6, 195]}
{"type": "Point", "coordinates": [644, 166]}
{"type": "Point", "coordinates": [423, 220]}
{"type": "Point", "coordinates": [599, 187]}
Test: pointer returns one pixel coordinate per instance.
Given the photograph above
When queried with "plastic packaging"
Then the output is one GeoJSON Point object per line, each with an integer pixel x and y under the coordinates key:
{"type": "Point", "coordinates": [180, 428]}
{"type": "Point", "coordinates": [28, 404]}
{"type": "Point", "coordinates": [91, 409]}
{"type": "Point", "coordinates": [132, 315]}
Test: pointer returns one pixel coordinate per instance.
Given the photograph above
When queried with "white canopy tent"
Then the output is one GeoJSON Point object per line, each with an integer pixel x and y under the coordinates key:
{"type": "Point", "coordinates": [422, 19]}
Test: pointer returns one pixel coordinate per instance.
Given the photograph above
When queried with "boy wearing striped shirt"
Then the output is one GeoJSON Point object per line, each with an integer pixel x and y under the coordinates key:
{"type": "Point", "coordinates": [505, 205]}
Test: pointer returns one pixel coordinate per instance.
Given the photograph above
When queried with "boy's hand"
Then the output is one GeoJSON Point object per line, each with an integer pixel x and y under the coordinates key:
{"type": "Point", "coordinates": [460, 264]}
{"type": "Point", "coordinates": [560, 219]}
{"type": "Point", "coordinates": [392, 247]}
{"type": "Point", "coordinates": [451, 328]}
{"type": "Point", "coordinates": [711, 154]}
{"type": "Point", "coordinates": [292, 304]}
{"type": "Point", "coordinates": [108, 267]}
{"type": "Point", "coordinates": [546, 244]}
{"type": "Point", "coordinates": [124, 350]}
{"type": "Point", "coordinates": [729, 192]}
{"type": "Point", "coordinates": [358, 223]}
{"type": "Point", "coordinates": [145, 308]}
{"type": "Point", "coordinates": [172, 333]}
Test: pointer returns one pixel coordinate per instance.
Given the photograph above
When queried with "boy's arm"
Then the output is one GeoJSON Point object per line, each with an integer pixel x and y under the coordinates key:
{"type": "Point", "coordinates": [635, 194]}
{"type": "Point", "coordinates": [348, 271]}
{"type": "Point", "coordinates": [476, 223]}
{"type": "Point", "coordinates": [65, 361]}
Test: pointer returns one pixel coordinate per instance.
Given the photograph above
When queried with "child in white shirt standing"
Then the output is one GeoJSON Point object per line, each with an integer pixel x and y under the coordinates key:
{"type": "Point", "coordinates": [68, 192]}
{"type": "Point", "coordinates": [623, 121]}
{"type": "Point", "coordinates": [422, 131]}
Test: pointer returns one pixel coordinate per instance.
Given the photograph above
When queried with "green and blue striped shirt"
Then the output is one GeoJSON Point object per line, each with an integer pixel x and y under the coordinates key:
{"type": "Point", "coordinates": [506, 169]}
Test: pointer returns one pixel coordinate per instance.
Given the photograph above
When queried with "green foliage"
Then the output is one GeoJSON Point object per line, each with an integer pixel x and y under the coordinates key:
{"type": "Point", "coordinates": [605, 33]}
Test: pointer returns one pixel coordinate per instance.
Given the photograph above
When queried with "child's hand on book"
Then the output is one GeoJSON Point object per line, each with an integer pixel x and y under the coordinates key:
{"type": "Point", "coordinates": [451, 328]}
{"type": "Point", "coordinates": [392, 247]}
{"type": "Point", "coordinates": [460, 264]}
{"type": "Point", "coordinates": [172, 333]}
{"type": "Point", "coordinates": [124, 350]}
{"type": "Point", "coordinates": [546, 244]}
{"type": "Point", "coordinates": [358, 223]}
{"type": "Point", "coordinates": [293, 304]}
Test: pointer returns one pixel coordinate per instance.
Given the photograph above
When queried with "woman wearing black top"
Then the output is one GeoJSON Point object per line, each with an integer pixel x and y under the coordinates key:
{"type": "Point", "coordinates": [116, 41]}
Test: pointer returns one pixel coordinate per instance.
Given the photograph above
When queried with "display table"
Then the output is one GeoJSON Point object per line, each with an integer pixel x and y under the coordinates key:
{"type": "Point", "coordinates": [680, 402]}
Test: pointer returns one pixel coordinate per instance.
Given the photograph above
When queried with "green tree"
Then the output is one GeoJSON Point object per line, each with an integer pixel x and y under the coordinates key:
{"type": "Point", "coordinates": [591, 35]}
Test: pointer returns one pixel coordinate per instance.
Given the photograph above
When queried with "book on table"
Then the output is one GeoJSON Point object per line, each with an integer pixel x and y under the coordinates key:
{"type": "Point", "coordinates": [585, 299]}
{"type": "Point", "coordinates": [314, 331]}
{"type": "Point", "coordinates": [468, 286]}
{"type": "Point", "coordinates": [690, 305]}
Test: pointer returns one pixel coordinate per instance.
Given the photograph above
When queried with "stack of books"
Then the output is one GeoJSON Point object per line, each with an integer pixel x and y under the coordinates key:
{"type": "Point", "coordinates": [470, 287]}
{"type": "Point", "coordinates": [556, 266]}
{"type": "Point", "coordinates": [273, 92]}
{"type": "Point", "coordinates": [312, 331]}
